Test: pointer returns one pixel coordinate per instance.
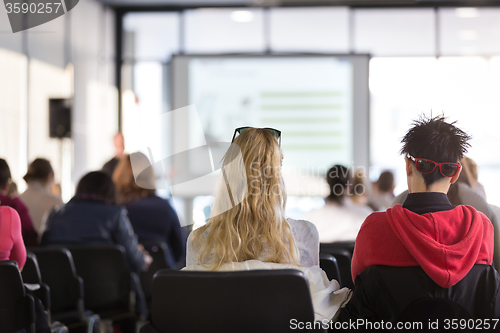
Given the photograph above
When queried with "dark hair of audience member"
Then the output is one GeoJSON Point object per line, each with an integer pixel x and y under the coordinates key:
{"type": "Point", "coordinates": [5, 174]}
{"type": "Point", "coordinates": [436, 140]}
{"type": "Point", "coordinates": [385, 182]}
{"type": "Point", "coordinates": [39, 170]}
{"type": "Point", "coordinates": [96, 185]}
{"type": "Point", "coordinates": [338, 178]}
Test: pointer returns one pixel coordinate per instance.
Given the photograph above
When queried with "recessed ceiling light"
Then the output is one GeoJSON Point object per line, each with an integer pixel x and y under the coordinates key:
{"type": "Point", "coordinates": [242, 16]}
{"type": "Point", "coordinates": [466, 12]}
{"type": "Point", "coordinates": [467, 34]}
{"type": "Point", "coordinates": [468, 51]}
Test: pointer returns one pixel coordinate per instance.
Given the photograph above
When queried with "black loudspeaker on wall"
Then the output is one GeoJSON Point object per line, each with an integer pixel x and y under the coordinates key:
{"type": "Point", "coordinates": [59, 118]}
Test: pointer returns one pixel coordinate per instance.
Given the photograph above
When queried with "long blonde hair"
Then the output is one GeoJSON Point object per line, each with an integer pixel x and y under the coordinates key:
{"type": "Point", "coordinates": [258, 221]}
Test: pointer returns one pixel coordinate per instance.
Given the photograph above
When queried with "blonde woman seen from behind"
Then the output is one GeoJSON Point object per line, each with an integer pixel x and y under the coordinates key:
{"type": "Point", "coordinates": [248, 229]}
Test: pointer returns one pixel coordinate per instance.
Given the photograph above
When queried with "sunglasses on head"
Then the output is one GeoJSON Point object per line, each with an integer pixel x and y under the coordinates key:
{"type": "Point", "coordinates": [277, 133]}
{"type": "Point", "coordinates": [425, 166]}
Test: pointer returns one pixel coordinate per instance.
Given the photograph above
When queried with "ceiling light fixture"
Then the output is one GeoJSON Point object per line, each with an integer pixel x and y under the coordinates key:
{"type": "Point", "coordinates": [242, 16]}
{"type": "Point", "coordinates": [466, 12]}
{"type": "Point", "coordinates": [467, 35]}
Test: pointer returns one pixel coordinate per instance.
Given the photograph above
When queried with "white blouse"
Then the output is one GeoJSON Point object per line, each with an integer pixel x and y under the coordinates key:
{"type": "Point", "coordinates": [338, 223]}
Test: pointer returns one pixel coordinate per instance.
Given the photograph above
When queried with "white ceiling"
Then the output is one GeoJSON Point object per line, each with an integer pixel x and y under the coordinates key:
{"type": "Point", "coordinates": [177, 2]}
{"type": "Point", "coordinates": [194, 3]}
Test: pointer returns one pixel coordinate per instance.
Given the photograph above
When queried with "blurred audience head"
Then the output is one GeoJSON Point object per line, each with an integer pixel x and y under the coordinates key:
{"type": "Point", "coordinates": [471, 168]}
{"type": "Point", "coordinates": [436, 140]}
{"type": "Point", "coordinates": [56, 190]}
{"type": "Point", "coordinates": [12, 190]}
{"type": "Point", "coordinates": [128, 187]}
{"type": "Point", "coordinates": [464, 178]}
{"type": "Point", "coordinates": [358, 193]}
{"type": "Point", "coordinates": [96, 185]}
{"type": "Point", "coordinates": [40, 171]}
{"type": "Point", "coordinates": [339, 180]}
{"type": "Point", "coordinates": [465, 175]}
{"type": "Point", "coordinates": [5, 175]}
{"type": "Point", "coordinates": [385, 182]}
{"type": "Point", "coordinates": [119, 144]}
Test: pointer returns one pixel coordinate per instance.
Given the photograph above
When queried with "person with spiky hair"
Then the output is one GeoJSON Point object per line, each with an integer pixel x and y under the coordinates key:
{"type": "Point", "coordinates": [426, 250]}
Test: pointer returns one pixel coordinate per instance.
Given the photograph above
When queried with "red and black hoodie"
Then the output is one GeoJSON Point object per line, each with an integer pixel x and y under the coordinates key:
{"type": "Point", "coordinates": [424, 260]}
{"type": "Point", "coordinates": [446, 243]}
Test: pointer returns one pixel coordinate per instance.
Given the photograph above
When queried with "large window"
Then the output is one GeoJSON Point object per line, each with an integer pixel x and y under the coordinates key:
{"type": "Point", "coordinates": [462, 88]}
{"type": "Point", "coordinates": [395, 32]}
{"type": "Point", "coordinates": [323, 29]}
{"type": "Point", "coordinates": [13, 112]}
{"type": "Point", "coordinates": [423, 60]}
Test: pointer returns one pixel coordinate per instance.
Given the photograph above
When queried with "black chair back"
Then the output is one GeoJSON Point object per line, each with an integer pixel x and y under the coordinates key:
{"type": "Point", "coordinates": [344, 258]}
{"type": "Point", "coordinates": [348, 246]}
{"type": "Point", "coordinates": [31, 274]}
{"type": "Point", "coordinates": [58, 271]}
{"type": "Point", "coordinates": [107, 281]}
{"type": "Point", "coordinates": [160, 253]}
{"type": "Point", "coordinates": [66, 289]}
{"type": "Point", "coordinates": [17, 309]}
{"type": "Point", "coordinates": [329, 264]}
{"type": "Point", "coordinates": [433, 310]}
{"type": "Point", "coordinates": [245, 301]}
{"type": "Point", "coordinates": [31, 271]}
{"type": "Point", "coordinates": [408, 295]}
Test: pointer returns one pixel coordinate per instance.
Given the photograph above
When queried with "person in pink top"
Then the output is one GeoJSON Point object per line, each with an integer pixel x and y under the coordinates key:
{"type": "Point", "coordinates": [29, 234]}
{"type": "Point", "coordinates": [12, 248]}
{"type": "Point", "coordinates": [11, 238]}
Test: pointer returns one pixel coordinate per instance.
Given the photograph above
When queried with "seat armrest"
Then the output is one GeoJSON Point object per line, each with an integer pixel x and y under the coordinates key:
{"type": "Point", "coordinates": [44, 295]}
{"type": "Point", "coordinates": [26, 312]}
{"type": "Point", "coordinates": [148, 328]}
{"type": "Point", "coordinates": [134, 283]}
{"type": "Point", "coordinates": [78, 295]}
{"type": "Point", "coordinates": [93, 321]}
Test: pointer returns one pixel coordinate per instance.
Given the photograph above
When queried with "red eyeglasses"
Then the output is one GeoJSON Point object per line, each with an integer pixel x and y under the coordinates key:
{"type": "Point", "coordinates": [426, 166]}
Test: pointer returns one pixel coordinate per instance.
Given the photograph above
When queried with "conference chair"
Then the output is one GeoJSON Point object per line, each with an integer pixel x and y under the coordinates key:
{"type": "Point", "coordinates": [348, 246]}
{"type": "Point", "coordinates": [329, 264]}
{"type": "Point", "coordinates": [261, 301]}
{"type": "Point", "coordinates": [66, 289]}
{"type": "Point", "coordinates": [437, 311]}
{"type": "Point", "coordinates": [343, 255]}
{"type": "Point", "coordinates": [31, 275]}
{"type": "Point", "coordinates": [160, 253]}
{"type": "Point", "coordinates": [17, 309]}
{"type": "Point", "coordinates": [109, 285]}
{"type": "Point", "coordinates": [411, 297]}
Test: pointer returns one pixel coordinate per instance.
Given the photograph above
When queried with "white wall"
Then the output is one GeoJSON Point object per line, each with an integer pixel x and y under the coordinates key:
{"type": "Point", "coordinates": [39, 64]}
{"type": "Point", "coordinates": [95, 110]}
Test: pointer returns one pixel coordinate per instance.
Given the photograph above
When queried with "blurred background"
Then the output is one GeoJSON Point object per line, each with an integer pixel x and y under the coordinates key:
{"type": "Point", "coordinates": [114, 63]}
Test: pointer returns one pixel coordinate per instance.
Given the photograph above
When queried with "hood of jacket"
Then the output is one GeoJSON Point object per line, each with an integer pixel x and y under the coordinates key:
{"type": "Point", "coordinates": [446, 244]}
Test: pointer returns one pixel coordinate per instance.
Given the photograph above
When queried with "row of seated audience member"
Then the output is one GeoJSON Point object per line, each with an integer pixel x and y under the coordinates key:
{"type": "Point", "coordinates": [351, 200]}
{"type": "Point", "coordinates": [104, 210]}
{"type": "Point", "coordinates": [414, 262]}
{"type": "Point", "coordinates": [128, 212]}
{"type": "Point", "coordinates": [426, 253]}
